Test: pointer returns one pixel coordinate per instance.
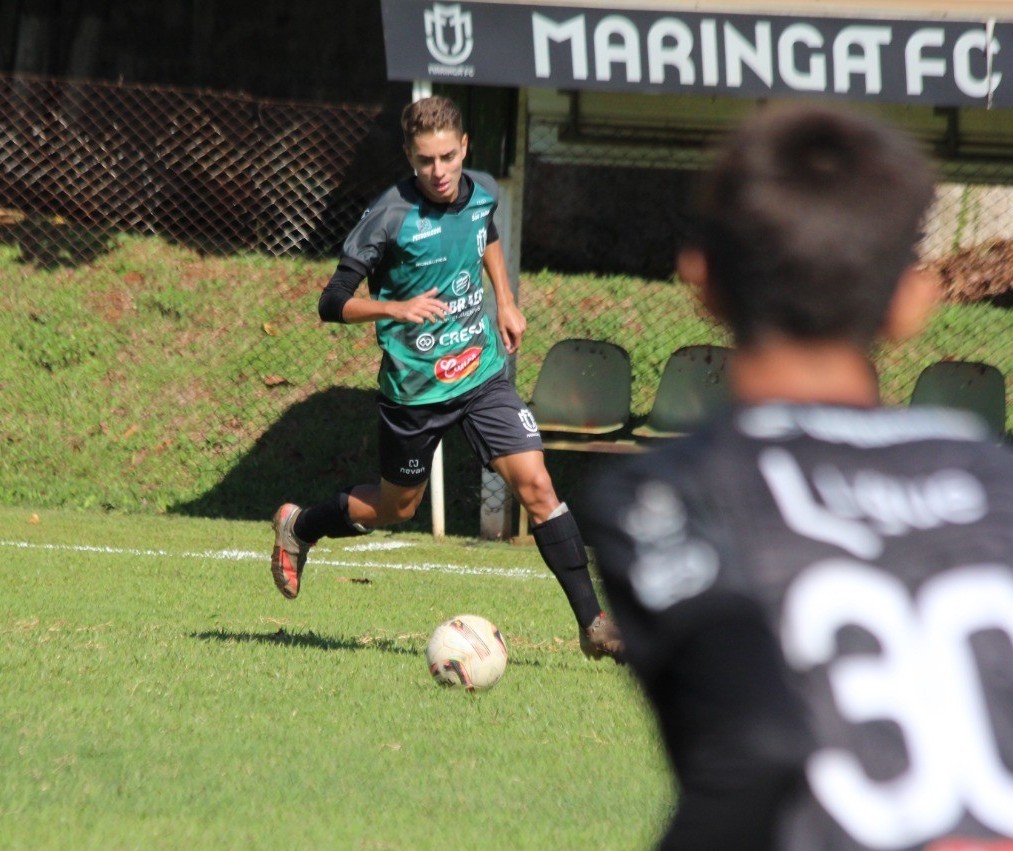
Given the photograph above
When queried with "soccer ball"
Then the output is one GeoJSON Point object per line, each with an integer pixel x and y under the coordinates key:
{"type": "Point", "coordinates": [466, 651]}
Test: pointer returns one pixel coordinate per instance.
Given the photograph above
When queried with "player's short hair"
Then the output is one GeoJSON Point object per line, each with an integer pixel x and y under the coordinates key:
{"type": "Point", "coordinates": [807, 220]}
{"type": "Point", "coordinates": [430, 115]}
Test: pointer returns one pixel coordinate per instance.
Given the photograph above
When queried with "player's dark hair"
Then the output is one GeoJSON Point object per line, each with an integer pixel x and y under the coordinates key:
{"type": "Point", "coordinates": [429, 115]}
{"type": "Point", "coordinates": [807, 219]}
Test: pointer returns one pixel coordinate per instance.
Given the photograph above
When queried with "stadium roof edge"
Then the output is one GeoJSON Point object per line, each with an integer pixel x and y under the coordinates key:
{"type": "Point", "coordinates": [899, 51]}
{"type": "Point", "coordinates": [919, 9]}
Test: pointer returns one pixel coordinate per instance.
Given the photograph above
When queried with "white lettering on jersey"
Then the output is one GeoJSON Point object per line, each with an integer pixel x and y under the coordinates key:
{"type": "Point", "coordinates": [856, 511]}
{"type": "Point", "coordinates": [896, 506]}
{"type": "Point", "coordinates": [670, 564]}
{"type": "Point", "coordinates": [804, 515]}
{"type": "Point", "coordinates": [924, 678]}
{"type": "Point", "coordinates": [463, 335]}
{"type": "Point", "coordinates": [466, 303]}
{"type": "Point", "coordinates": [426, 234]}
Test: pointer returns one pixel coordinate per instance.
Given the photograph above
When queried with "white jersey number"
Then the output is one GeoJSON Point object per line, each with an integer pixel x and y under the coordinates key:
{"type": "Point", "coordinates": [925, 679]}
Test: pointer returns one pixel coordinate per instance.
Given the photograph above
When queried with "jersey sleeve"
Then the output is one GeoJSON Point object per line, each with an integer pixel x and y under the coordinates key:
{"type": "Point", "coordinates": [489, 184]}
{"type": "Point", "coordinates": [368, 242]}
{"type": "Point", "coordinates": [340, 288]}
{"type": "Point", "coordinates": [655, 559]}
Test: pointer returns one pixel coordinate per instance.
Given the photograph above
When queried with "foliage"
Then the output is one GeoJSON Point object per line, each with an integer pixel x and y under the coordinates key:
{"type": "Point", "coordinates": [157, 379]}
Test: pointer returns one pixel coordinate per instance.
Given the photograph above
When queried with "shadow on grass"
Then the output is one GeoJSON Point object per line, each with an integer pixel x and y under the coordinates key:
{"type": "Point", "coordinates": [51, 242]}
{"type": "Point", "coordinates": [316, 447]}
{"type": "Point", "coordinates": [320, 445]}
{"type": "Point", "coordinates": [307, 639]}
{"type": "Point", "coordinates": [322, 642]}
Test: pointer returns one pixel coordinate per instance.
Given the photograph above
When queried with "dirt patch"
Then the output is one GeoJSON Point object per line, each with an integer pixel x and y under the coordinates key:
{"type": "Point", "coordinates": [980, 273]}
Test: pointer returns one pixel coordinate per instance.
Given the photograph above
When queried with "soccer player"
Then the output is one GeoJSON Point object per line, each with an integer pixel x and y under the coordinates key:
{"type": "Point", "coordinates": [816, 592]}
{"type": "Point", "coordinates": [422, 245]}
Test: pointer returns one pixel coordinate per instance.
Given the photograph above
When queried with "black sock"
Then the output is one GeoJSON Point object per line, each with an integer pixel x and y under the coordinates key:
{"type": "Point", "coordinates": [328, 519]}
{"type": "Point", "coordinates": [558, 540]}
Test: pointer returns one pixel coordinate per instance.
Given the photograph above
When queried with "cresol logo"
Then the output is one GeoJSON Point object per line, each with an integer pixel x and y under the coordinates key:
{"type": "Point", "coordinates": [455, 367]}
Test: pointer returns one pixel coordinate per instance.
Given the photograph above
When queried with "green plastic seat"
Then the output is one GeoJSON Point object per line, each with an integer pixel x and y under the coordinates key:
{"type": "Point", "coordinates": [694, 386]}
{"type": "Point", "coordinates": [967, 385]}
{"type": "Point", "coordinates": [583, 387]}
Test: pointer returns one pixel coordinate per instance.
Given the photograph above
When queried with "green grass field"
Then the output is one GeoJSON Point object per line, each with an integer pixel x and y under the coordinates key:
{"type": "Point", "coordinates": [157, 692]}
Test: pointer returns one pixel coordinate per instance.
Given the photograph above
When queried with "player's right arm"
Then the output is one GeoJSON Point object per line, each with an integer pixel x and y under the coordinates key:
{"type": "Point", "coordinates": [338, 302]}
{"type": "Point", "coordinates": [364, 250]}
{"type": "Point", "coordinates": [423, 308]}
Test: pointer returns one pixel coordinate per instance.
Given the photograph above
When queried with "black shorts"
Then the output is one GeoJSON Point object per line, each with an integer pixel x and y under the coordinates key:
{"type": "Point", "coordinates": [493, 418]}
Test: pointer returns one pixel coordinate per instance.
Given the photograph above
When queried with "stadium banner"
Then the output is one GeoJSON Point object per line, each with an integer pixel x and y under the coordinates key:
{"type": "Point", "coordinates": [936, 62]}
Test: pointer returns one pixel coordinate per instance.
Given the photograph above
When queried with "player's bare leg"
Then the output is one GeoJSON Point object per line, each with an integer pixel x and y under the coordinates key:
{"type": "Point", "coordinates": [559, 541]}
{"type": "Point", "coordinates": [384, 504]}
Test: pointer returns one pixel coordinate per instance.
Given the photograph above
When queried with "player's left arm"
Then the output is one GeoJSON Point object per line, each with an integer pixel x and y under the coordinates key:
{"type": "Point", "coordinates": [735, 730]}
{"type": "Point", "coordinates": [509, 319]}
{"type": "Point", "coordinates": [737, 733]}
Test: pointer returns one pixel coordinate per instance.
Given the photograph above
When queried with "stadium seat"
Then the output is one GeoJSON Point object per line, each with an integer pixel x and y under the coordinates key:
{"type": "Point", "coordinates": [581, 400]}
{"type": "Point", "coordinates": [583, 388]}
{"type": "Point", "coordinates": [694, 386]}
{"type": "Point", "coordinates": [968, 385]}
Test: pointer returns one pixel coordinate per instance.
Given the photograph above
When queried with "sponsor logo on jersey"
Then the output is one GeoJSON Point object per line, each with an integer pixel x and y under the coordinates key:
{"type": "Point", "coordinates": [479, 214]}
{"type": "Point", "coordinates": [455, 367]}
{"type": "Point", "coordinates": [426, 230]}
{"type": "Point", "coordinates": [462, 283]}
{"type": "Point", "coordinates": [481, 238]}
{"type": "Point", "coordinates": [465, 306]}
{"type": "Point", "coordinates": [671, 564]}
{"type": "Point", "coordinates": [449, 39]}
{"type": "Point", "coordinates": [425, 342]}
{"type": "Point", "coordinates": [431, 262]}
{"type": "Point", "coordinates": [460, 336]}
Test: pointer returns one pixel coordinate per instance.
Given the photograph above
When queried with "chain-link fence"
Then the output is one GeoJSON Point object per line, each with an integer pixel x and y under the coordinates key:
{"type": "Point", "coordinates": [80, 162]}
{"type": "Point", "coordinates": [231, 179]}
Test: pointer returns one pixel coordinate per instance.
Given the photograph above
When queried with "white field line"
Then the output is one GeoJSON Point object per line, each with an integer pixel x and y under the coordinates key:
{"type": "Point", "coordinates": [378, 545]}
{"type": "Point", "coordinates": [249, 555]}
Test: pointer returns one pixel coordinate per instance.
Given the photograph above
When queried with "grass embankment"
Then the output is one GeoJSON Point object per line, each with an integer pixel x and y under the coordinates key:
{"type": "Point", "coordinates": [153, 378]}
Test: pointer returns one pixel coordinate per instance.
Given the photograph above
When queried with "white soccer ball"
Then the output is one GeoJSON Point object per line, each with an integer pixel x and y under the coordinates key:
{"type": "Point", "coordinates": [466, 651]}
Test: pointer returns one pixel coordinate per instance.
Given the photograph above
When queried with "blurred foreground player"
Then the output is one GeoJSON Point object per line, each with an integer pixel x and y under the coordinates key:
{"type": "Point", "coordinates": [816, 592]}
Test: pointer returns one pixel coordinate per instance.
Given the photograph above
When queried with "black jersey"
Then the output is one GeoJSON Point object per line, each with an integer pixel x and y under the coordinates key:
{"type": "Point", "coordinates": [819, 602]}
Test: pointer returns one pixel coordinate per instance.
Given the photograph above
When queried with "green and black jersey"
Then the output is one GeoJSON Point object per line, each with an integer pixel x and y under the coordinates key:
{"type": "Point", "coordinates": [406, 245]}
